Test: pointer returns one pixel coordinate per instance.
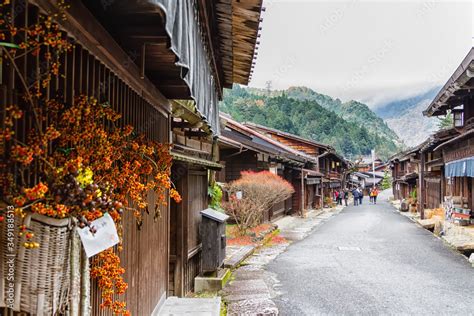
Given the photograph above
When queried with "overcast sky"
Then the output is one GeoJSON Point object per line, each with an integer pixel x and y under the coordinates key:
{"type": "Point", "coordinates": [371, 51]}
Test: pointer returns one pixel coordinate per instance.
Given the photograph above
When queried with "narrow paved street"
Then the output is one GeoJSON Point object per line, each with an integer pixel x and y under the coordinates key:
{"type": "Point", "coordinates": [371, 260]}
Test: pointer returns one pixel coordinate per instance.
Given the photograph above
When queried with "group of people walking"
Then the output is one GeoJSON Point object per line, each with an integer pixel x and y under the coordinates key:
{"type": "Point", "coordinates": [340, 195]}
{"type": "Point", "coordinates": [358, 195]}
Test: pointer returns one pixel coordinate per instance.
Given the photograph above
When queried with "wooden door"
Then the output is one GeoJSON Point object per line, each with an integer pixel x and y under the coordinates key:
{"type": "Point", "coordinates": [185, 218]}
{"type": "Point", "coordinates": [179, 175]}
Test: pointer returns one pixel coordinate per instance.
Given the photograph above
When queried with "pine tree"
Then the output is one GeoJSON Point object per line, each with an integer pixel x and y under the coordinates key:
{"type": "Point", "coordinates": [387, 180]}
{"type": "Point", "coordinates": [446, 121]}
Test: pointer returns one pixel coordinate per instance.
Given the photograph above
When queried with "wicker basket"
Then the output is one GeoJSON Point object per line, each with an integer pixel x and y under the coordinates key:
{"type": "Point", "coordinates": [42, 275]}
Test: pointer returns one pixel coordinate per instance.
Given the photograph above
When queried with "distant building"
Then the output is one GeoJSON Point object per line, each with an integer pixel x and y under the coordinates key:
{"type": "Point", "coordinates": [244, 149]}
{"type": "Point", "coordinates": [365, 164]}
{"type": "Point", "coordinates": [333, 166]}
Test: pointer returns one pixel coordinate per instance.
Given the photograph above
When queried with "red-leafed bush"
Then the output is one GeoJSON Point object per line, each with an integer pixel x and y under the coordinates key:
{"type": "Point", "coordinates": [260, 191]}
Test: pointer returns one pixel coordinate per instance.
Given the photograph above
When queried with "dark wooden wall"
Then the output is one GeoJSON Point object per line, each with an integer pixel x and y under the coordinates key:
{"type": "Point", "coordinates": [235, 164]}
{"type": "Point", "coordinates": [433, 193]}
{"type": "Point", "coordinates": [310, 196]}
{"type": "Point", "coordinates": [296, 197]}
{"type": "Point", "coordinates": [288, 176]}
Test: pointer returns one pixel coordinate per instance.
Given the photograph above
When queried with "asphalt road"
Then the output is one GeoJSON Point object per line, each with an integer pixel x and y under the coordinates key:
{"type": "Point", "coordinates": [371, 260]}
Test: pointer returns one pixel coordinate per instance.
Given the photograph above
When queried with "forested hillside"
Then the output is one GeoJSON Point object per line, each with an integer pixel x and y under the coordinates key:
{"type": "Point", "coordinates": [313, 116]}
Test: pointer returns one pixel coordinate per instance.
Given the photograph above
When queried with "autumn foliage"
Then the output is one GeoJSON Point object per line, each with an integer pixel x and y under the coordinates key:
{"type": "Point", "coordinates": [260, 191]}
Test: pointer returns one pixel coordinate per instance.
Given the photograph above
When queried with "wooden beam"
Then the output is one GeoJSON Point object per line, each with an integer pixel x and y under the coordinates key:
{"type": "Point", "coordinates": [174, 82]}
{"type": "Point", "coordinates": [176, 92]}
{"type": "Point", "coordinates": [82, 26]}
{"type": "Point", "coordinates": [196, 134]}
{"type": "Point", "coordinates": [142, 30]}
{"type": "Point", "coordinates": [181, 125]}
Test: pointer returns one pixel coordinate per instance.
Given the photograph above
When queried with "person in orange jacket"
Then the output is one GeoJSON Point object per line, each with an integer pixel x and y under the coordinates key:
{"type": "Point", "coordinates": [373, 194]}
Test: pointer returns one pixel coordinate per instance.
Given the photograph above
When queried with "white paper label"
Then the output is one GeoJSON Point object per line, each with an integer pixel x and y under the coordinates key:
{"type": "Point", "coordinates": [238, 195]}
{"type": "Point", "coordinates": [105, 237]}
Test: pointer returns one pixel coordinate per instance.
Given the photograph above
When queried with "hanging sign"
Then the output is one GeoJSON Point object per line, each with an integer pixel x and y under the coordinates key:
{"type": "Point", "coordinates": [105, 237]}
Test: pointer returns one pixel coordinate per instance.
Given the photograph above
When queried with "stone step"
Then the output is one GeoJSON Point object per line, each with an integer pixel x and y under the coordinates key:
{"type": "Point", "coordinates": [175, 306]}
{"type": "Point", "coordinates": [254, 306]}
{"type": "Point", "coordinates": [237, 254]}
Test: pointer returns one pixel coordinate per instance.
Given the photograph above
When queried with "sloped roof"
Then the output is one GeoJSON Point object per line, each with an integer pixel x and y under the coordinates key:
{"type": "Point", "coordinates": [455, 89]}
{"type": "Point", "coordinates": [282, 149]}
{"type": "Point", "coordinates": [288, 135]}
{"type": "Point", "coordinates": [238, 23]}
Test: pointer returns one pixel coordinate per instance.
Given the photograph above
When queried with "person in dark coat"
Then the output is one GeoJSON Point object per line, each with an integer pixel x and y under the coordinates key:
{"type": "Point", "coordinates": [361, 195]}
{"type": "Point", "coordinates": [346, 196]}
{"type": "Point", "coordinates": [355, 194]}
{"type": "Point", "coordinates": [341, 196]}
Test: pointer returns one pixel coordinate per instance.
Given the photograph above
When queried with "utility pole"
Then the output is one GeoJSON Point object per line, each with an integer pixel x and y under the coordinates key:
{"type": "Point", "coordinates": [373, 166]}
{"type": "Point", "coordinates": [268, 86]}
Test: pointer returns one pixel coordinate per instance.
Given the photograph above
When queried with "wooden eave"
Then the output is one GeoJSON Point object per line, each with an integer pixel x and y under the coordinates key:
{"type": "Point", "coordinates": [284, 152]}
{"type": "Point", "coordinates": [288, 136]}
{"type": "Point", "coordinates": [456, 139]}
{"type": "Point", "coordinates": [238, 23]}
{"type": "Point", "coordinates": [83, 26]}
{"type": "Point", "coordinates": [186, 110]}
{"type": "Point", "coordinates": [458, 86]}
{"type": "Point", "coordinates": [138, 27]}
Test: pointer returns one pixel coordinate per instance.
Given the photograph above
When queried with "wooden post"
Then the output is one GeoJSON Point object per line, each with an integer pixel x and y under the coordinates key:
{"type": "Point", "coordinates": [302, 192]}
{"type": "Point", "coordinates": [85, 285]}
{"type": "Point", "coordinates": [421, 185]}
{"type": "Point", "coordinates": [142, 62]}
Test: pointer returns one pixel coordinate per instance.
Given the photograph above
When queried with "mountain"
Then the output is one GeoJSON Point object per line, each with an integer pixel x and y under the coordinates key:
{"type": "Point", "coordinates": [351, 127]}
{"type": "Point", "coordinates": [406, 118]}
{"type": "Point", "coordinates": [394, 108]}
{"type": "Point", "coordinates": [351, 111]}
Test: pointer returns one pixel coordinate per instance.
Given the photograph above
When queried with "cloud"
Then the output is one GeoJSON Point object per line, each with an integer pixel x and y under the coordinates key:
{"type": "Point", "coordinates": [371, 51]}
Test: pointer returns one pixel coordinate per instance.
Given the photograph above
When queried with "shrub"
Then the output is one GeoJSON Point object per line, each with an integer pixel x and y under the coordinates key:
{"type": "Point", "coordinates": [215, 193]}
{"type": "Point", "coordinates": [329, 202]}
{"type": "Point", "coordinates": [387, 180]}
{"type": "Point", "coordinates": [260, 191]}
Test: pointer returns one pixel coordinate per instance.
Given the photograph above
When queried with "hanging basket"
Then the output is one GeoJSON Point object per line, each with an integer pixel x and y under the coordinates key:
{"type": "Point", "coordinates": [41, 275]}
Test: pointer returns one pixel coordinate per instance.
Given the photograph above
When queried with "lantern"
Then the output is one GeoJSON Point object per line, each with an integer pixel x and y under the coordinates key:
{"type": "Point", "coordinates": [458, 117]}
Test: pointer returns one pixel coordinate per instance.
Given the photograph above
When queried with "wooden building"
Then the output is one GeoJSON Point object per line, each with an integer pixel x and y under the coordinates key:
{"type": "Point", "coordinates": [163, 65]}
{"type": "Point", "coordinates": [457, 152]}
{"type": "Point", "coordinates": [366, 180]}
{"type": "Point", "coordinates": [364, 164]}
{"type": "Point", "coordinates": [333, 167]}
{"type": "Point", "coordinates": [242, 148]}
{"type": "Point", "coordinates": [430, 174]}
{"type": "Point", "coordinates": [404, 168]}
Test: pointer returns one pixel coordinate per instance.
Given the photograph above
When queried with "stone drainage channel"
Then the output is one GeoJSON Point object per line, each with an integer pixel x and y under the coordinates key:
{"type": "Point", "coordinates": [252, 288]}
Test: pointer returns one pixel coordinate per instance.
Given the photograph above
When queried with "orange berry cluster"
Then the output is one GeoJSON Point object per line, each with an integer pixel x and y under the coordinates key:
{"type": "Point", "coordinates": [36, 192]}
{"type": "Point", "coordinates": [28, 244]}
{"type": "Point", "coordinates": [175, 195]}
{"type": "Point", "coordinates": [56, 211]}
{"type": "Point", "coordinates": [22, 154]}
{"type": "Point", "coordinates": [109, 274]}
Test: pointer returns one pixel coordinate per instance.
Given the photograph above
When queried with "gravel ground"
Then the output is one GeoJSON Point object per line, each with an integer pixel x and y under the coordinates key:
{"type": "Point", "coordinates": [371, 260]}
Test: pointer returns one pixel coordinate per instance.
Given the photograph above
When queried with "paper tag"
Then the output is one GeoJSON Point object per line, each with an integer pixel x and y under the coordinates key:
{"type": "Point", "coordinates": [105, 237]}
